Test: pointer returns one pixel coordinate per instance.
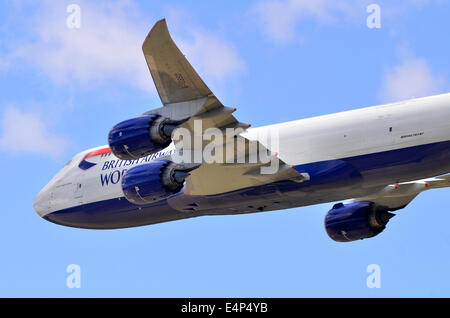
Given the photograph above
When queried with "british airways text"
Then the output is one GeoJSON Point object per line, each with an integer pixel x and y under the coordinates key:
{"type": "Point", "coordinates": [114, 176]}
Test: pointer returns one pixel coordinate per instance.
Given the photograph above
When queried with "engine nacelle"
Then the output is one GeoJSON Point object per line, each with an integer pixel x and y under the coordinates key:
{"type": "Point", "coordinates": [356, 221]}
{"type": "Point", "coordinates": [138, 137]}
{"type": "Point", "coordinates": [153, 181]}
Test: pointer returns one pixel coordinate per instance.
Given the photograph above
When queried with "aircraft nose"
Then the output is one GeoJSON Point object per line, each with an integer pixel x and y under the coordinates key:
{"type": "Point", "coordinates": [41, 203]}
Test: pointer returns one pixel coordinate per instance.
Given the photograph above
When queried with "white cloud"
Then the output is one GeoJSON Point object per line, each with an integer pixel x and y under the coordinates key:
{"type": "Point", "coordinates": [108, 45]}
{"type": "Point", "coordinates": [23, 132]}
{"type": "Point", "coordinates": [214, 57]}
{"type": "Point", "coordinates": [279, 18]}
{"type": "Point", "coordinates": [411, 78]}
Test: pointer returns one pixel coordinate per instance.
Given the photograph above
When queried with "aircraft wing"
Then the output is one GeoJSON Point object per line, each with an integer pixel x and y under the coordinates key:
{"type": "Point", "coordinates": [174, 77]}
{"type": "Point", "coordinates": [187, 99]}
{"type": "Point", "coordinates": [397, 196]}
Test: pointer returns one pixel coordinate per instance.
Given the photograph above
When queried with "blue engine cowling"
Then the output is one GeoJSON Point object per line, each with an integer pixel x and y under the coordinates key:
{"type": "Point", "coordinates": [138, 137]}
{"type": "Point", "coordinates": [152, 182]}
{"type": "Point", "coordinates": [356, 221]}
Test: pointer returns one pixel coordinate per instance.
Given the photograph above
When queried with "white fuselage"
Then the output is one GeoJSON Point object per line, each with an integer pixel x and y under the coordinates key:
{"type": "Point", "coordinates": [417, 127]}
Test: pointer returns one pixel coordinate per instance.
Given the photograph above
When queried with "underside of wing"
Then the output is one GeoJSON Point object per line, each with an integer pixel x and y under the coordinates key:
{"type": "Point", "coordinates": [397, 196]}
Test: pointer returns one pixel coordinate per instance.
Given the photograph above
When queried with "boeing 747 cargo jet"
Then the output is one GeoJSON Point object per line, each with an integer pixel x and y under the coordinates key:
{"type": "Point", "coordinates": [192, 157]}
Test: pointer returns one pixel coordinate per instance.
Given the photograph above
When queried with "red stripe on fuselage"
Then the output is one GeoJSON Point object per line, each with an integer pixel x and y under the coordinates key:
{"type": "Point", "coordinates": [97, 152]}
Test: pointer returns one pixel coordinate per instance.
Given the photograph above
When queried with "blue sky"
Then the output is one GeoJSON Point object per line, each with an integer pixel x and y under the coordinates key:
{"type": "Point", "coordinates": [63, 89]}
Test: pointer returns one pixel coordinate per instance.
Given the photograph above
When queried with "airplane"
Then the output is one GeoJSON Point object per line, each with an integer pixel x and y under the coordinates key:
{"type": "Point", "coordinates": [376, 159]}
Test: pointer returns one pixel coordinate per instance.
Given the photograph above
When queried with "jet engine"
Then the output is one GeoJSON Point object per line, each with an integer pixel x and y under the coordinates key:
{"type": "Point", "coordinates": [138, 137]}
{"type": "Point", "coordinates": [356, 221]}
{"type": "Point", "coordinates": [153, 181]}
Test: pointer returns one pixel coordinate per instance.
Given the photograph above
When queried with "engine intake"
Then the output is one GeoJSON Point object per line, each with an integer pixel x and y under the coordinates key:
{"type": "Point", "coordinates": [153, 181]}
{"type": "Point", "coordinates": [356, 221]}
{"type": "Point", "coordinates": [138, 137]}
